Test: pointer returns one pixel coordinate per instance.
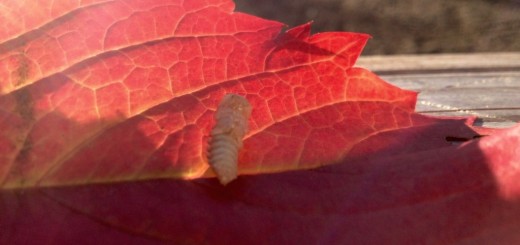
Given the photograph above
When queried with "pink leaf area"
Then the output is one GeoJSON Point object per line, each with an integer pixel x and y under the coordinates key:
{"type": "Point", "coordinates": [106, 109]}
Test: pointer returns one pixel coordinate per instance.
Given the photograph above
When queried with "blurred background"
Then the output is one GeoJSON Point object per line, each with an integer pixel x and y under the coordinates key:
{"type": "Point", "coordinates": [405, 26]}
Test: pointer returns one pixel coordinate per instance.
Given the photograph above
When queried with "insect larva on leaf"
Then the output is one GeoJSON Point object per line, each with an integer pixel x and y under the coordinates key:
{"type": "Point", "coordinates": [226, 137]}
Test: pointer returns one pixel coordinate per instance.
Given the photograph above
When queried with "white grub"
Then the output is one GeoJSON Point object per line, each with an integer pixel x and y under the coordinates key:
{"type": "Point", "coordinates": [226, 137]}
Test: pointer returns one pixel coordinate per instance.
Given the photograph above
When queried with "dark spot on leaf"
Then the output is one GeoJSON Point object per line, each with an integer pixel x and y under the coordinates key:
{"type": "Point", "coordinates": [24, 105]}
{"type": "Point", "coordinates": [21, 158]}
{"type": "Point", "coordinates": [23, 154]}
{"type": "Point", "coordinates": [23, 69]}
{"type": "Point", "coordinates": [459, 140]}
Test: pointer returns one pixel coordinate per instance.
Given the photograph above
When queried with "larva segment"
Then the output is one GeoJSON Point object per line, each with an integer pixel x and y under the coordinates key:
{"type": "Point", "coordinates": [226, 137]}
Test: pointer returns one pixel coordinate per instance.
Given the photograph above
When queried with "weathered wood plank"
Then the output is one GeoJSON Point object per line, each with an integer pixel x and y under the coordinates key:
{"type": "Point", "coordinates": [485, 85]}
{"type": "Point", "coordinates": [417, 64]}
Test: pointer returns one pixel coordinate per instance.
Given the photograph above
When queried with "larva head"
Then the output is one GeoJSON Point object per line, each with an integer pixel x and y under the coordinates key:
{"type": "Point", "coordinates": [236, 103]}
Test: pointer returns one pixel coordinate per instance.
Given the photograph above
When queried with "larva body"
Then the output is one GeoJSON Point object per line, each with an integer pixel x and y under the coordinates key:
{"type": "Point", "coordinates": [226, 137]}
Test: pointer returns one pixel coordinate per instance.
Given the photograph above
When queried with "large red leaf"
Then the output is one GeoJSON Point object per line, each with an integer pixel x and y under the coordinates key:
{"type": "Point", "coordinates": [461, 195]}
{"type": "Point", "coordinates": [102, 99]}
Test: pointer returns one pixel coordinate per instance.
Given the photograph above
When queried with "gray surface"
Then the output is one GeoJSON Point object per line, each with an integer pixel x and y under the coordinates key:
{"type": "Point", "coordinates": [484, 85]}
{"type": "Point", "coordinates": [493, 97]}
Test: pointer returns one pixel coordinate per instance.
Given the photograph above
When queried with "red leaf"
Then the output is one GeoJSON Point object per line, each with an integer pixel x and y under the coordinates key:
{"type": "Point", "coordinates": [101, 100]}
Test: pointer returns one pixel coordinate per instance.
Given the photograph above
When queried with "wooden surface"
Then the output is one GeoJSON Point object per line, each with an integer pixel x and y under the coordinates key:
{"type": "Point", "coordinates": [485, 85]}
